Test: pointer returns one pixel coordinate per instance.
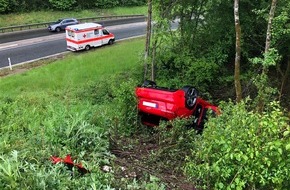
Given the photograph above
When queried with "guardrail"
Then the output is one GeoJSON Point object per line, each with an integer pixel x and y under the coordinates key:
{"type": "Point", "coordinates": [45, 24]}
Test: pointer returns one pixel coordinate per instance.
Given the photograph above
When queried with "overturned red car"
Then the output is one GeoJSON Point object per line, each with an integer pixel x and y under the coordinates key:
{"type": "Point", "coordinates": [157, 103]}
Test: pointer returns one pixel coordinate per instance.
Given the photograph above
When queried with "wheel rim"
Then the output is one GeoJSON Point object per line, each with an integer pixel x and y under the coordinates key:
{"type": "Point", "coordinates": [190, 97]}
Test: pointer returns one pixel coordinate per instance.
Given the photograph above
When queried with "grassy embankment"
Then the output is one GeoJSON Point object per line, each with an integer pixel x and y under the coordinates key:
{"type": "Point", "coordinates": [60, 109]}
{"type": "Point", "coordinates": [48, 16]}
{"type": "Point", "coordinates": [75, 70]}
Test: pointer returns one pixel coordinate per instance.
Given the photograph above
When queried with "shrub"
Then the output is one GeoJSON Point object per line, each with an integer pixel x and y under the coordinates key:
{"type": "Point", "coordinates": [242, 149]}
{"type": "Point", "coordinates": [124, 112]}
{"type": "Point", "coordinates": [32, 129]}
{"type": "Point", "coordinates": [4, 6]}
{"type": "Point", "coordinates": [106, 4]}
{"type": "Point", "coordinates": [183, 69]}
{"type": "Point", "coordinates": [62, 4]}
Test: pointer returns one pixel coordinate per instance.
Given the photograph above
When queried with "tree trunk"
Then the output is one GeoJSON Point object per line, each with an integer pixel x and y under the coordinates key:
{"type": "Point", "coordinates": [267, 47]}
{"type": "Point", "coordinates": [153, 60]}
{"type": "Point", "coordinates": [238, 52]}
{"type": "Point", "coordinates": [284, 78]}
{"type": "Point", "coordinates": [268, 35]}
{"type": "Point", "coordinates": [148, 38]}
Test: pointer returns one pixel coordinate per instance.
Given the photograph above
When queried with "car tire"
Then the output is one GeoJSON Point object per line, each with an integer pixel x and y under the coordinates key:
{"type": "Point", "coordinates": [87, 48]}
{"type": "Point", "coordinates": [111, 42]}
{"type": "Point", "coordinates": [149, 83]}
{"type": "Point", "coordinates": [190, 96]}
{"type": "Point", "coordinates": [58, 29]}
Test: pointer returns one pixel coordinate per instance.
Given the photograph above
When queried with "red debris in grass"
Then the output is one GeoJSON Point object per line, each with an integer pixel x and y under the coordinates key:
{"type": "Point", "coordinates": [69, 163]}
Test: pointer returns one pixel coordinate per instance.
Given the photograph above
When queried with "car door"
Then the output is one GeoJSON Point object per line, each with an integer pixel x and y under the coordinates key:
{"type": "Point", "coordinates": [66, 23]}
{"type": "Point", "coordinates": [105, 39]}
{"type": "Point", "coordinates": [98, 37]}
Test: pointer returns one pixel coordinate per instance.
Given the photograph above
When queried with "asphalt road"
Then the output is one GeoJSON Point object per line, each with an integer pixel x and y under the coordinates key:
{"type": "Point", "coordinates": [41, 43]}
{"type": "Point", "coordinates": [22, 35]}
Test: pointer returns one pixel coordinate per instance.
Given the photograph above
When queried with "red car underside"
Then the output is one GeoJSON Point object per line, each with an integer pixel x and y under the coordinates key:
{"type": "Point", "coordinates": [158, 103]}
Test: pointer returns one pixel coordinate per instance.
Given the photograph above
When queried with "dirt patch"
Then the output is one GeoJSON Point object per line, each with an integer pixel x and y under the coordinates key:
{"type": "Point", "coordinates": [134, 158]}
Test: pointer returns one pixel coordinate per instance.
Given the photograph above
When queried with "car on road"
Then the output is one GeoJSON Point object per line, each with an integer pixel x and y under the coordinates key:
{"type": "Point", "coordinates": [61, 24]}
{"type": "Point", "coordinates": [157, 103]}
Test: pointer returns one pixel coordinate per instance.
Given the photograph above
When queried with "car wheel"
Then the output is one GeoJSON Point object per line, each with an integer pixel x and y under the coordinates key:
{"type": "Point", "coordinates": [111, 42]}
{"type": "Point", "coordinates": [87, 47]}
{"type": "Point", "coordinates": [58, 29]}
{"type": "Point", "coordinates": [190, 96]}
{"type": "Point", "coordinates": [149, 83]}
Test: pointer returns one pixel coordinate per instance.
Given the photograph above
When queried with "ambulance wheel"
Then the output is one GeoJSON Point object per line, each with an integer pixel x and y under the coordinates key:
{"type": "Point", "coordinates": [57, 29]}
{"type": "Point", "coordinates": [111, 42]}
{"type": "Point", "coordinates": [190, 96]}
{"type": "Point", "coordinates": [87, 47]}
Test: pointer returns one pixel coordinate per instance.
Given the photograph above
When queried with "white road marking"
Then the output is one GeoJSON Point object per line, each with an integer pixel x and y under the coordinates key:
{"type": "Point", "coordinates": [8, 46]}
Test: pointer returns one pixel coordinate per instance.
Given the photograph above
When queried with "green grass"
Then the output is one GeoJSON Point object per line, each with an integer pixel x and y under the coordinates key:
{"type": "Point", "coordinates": [48, 16]}
{"type": "Point", "coordinates": [50, 110]}
{"type": "Point", "coordinates": [75, 70]}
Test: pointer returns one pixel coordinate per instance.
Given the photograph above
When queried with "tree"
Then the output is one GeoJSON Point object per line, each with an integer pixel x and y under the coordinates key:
{"type": "Point", "coordinates": [148, 38]}
{"type": "Point", "coordinates": [268, 35]}
{"type": "Point", "coordinates": [238, 52]}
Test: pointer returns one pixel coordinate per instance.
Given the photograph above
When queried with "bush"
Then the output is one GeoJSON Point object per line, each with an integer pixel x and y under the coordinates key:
{"type": "Point", "coordinates": [32, 129]}
{"type": "Point", "coordinates": [242, 149]}
{"type": "Point", "coordinates": [132, 2]}
{"type": "Point", "coordinates": [4, 6]}
{"type": "Point", "coordinates": [183, 69]}
{"type": "Point", "coordinates": [124, 112]}
{"type": "Point", "coordinates": [62, 4]}
{"type": "Point", "coordinates": [106, 4]}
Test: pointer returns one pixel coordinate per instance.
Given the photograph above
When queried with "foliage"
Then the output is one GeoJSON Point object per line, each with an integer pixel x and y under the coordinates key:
{"type": "Point", "coordinates": [4, 6]}
{"type": "Point", "coordinates": [54, 118]}
{"type": "Point", "coordinates": [106, 3]}
{"type": "Point", "coordinates": [8, 6]}
{"type": "Point", "coordinates": [132, 2]}
{"type": "Point", "coordinates": [270, 58]}
{"type": "Point", "coordinates": [198, 50]}
{"type": "Point", "coordinates": [206, 34]}
{"type": "Point", "coordinates": [184, 69]}
{"type": "Point", "coordinates": [124, 113]}
{"type": "Point", "coordinates": [38, 129]}
{"type": "Point", "coordinates": [62, 4]}
{"type": "Point", "coordinates": [154, 184]}
{"type": "Point", "coordinates": [174, 139]}
{"type": "Point", "coordinates": [242, 149]}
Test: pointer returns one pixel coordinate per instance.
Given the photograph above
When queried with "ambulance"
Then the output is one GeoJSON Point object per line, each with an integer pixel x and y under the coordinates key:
{"type": "Point", "coordinates": [86, 35]}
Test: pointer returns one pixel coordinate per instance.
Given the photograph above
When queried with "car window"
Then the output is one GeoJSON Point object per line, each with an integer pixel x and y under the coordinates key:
{"type": "Point", "coordinates": [96, 32]}
{"type": "Point", "coordinates": [105, 32]}
{"type": "Point", "coordinates": [71, 33]}
{"type": "Point", "coordinates": [59, 21]}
